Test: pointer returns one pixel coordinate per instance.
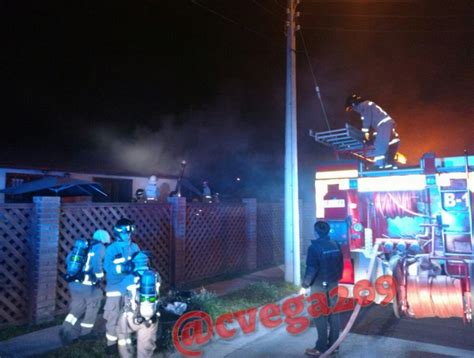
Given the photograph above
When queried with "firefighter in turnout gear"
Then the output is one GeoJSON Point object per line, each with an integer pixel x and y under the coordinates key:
{"type": "Point", "coordinates": [139, 310]}
{"type": "Point", "coordinates": [84, 275]}
{"type": "Point", "coordinates": [324, 266]}
{"type": "Point", "coordinates": [117, 265]}
{"type": "Point", "coordinates": [152, 192]}
{"type": "Point", "coordinates": [387, 140]}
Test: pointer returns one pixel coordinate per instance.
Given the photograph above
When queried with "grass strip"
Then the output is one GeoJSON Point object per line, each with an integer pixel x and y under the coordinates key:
{"type": "Point", "coordinates": [254, 295]}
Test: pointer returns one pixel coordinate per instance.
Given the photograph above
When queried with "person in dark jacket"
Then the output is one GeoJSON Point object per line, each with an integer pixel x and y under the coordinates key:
{"type": "Point", "coordinates": [324, 265]}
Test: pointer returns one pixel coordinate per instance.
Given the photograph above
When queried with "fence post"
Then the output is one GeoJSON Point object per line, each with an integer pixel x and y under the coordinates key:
{"type": "Point", "coordinates": [178, 232]}
{"type": "Point", "coordinates": [44, 258]}
{"type": "Point", "coordinates": [251, 222]}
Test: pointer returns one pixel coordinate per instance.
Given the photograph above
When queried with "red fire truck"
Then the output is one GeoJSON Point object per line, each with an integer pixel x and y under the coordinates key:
{"type": "Point", "coordinates": [416, 221]}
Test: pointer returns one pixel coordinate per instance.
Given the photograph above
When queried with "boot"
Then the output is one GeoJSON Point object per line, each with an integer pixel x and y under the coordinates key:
{"type": "Point", "coordinates": [66, 338]}
{"type": "Point", "coordinates": [111, 350]}
{"type": "Point", "coordinates": [91, 336]}
{"type": "Point", "coordinates": [312, 352]}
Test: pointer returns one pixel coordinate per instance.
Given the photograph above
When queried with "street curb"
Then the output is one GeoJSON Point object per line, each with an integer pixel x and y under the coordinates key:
{"type": "Point", "coordinates": [31, 344]}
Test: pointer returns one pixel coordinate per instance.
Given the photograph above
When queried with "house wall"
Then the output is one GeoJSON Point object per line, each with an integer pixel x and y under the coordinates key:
{"type": "Point", "coordinates": [165, 185]}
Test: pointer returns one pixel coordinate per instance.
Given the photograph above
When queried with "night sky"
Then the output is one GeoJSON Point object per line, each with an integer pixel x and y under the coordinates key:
{"type": "Point", "coordinates": [137, 86]}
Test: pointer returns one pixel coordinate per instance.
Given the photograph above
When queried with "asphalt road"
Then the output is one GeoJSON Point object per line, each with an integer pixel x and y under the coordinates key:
{"type": "Point", "coordinates": [376, 333]}
{"type": "Point", "coordinates": [380, 321]}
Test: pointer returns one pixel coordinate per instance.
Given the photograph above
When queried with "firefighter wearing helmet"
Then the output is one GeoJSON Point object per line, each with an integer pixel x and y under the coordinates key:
{"type": "Point", "coordinates": [84, 274]}
{"type": "Point", "coordinates": [139, 312]}
{"type": "Point", "coordinates": [152, 192]}
{"type": "Point", "coordinates": [118, 264]}
{"type": "Point", "coordinates": [374, 117]}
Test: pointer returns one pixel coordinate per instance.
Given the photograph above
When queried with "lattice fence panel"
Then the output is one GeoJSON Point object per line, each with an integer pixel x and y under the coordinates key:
{"type": "Point", "coordinates": [15, 230]}
{"type": "Point", "coordinates": [81, 220]}
{"type": "Point", "coordinates": [216, 240]}
{"type": "Point", "coordinates": [270, 234]}
{"type": "Point", "coordinates": [154, 234]}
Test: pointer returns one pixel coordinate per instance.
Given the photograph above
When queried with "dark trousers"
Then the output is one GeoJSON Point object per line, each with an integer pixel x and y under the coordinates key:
{"type": "Point", "coordinates": [83, 308]}
{"type": "Point", "coordinates": [327, 325]}
{"type": "Point", "coordinates": [384, 131]}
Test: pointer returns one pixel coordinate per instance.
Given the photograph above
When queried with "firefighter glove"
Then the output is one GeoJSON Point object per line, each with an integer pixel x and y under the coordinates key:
{"type": "Point", "coordinates": [127, 267]}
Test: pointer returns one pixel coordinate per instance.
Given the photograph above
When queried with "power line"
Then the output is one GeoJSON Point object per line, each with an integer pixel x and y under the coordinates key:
{"type": "Point", "coordinates": [228, 19]}
{"type": "Point", "coordinates": [267, 9]}
{"type": "Point", "coordinates": [366, 2]}
{"type": "Point", "coordinates": [389, 16]}
{"type": "Point", "coordinates": [316, 87]}
{"type": "Point", "coordinates": [270, 42]}
{"type": "Point", "coordinates": [280, 5]}
{"type": "Point", "coordinates": [341, 29]}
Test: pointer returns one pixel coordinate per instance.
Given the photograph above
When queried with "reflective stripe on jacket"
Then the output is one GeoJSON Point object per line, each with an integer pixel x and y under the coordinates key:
{"type": "Point", "coordinates": [372, 115]}
{"type": "Point", "coordinates": [116, 254]}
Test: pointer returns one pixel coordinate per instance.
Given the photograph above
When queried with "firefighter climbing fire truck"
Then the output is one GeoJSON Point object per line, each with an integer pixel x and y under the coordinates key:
{"type": "Point", "coordinates": [415, 222]}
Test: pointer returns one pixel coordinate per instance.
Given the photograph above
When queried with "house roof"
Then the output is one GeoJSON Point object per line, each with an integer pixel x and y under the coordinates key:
{"type": "Point", "coordinates": [90, 171]}
{"type": "Point", "coordinates": [61, 186]}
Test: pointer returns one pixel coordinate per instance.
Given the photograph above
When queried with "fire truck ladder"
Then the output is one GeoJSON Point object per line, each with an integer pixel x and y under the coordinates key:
{"type": "Point", "coordinates": [344, 140]}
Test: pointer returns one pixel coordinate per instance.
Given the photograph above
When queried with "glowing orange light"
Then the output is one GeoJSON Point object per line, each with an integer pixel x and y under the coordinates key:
{"type": "Point", "coordinates": [400, 158]}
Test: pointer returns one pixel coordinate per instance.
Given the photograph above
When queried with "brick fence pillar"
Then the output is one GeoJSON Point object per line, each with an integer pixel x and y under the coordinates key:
{"type": "Point", "coordinates": [251, 224]}
{"type": "Point", "coordinates": [178, 232]}
{"type": "Point", "coordinates": [44, 258]}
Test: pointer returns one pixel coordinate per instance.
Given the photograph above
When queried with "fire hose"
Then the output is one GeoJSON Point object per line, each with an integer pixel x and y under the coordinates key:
{"type": "Point", "coordinates": [439, 296]}
{"type": "Point", "coordinates": [356, 311]}
{"type": "Point", "coordinates": [426, 296]}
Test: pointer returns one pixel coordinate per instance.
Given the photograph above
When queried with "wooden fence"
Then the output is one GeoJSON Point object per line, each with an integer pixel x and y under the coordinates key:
{"type": "Point", "coordinates": [216, 241]}
{"type": "Point", "coordinates": [270, 240]}
{"type": "Point", "coordinates": [15, 228]}
{"type": "Point", "coordinates": [81, 220]}
{"type": "Point", "coordinates": [189, 242]}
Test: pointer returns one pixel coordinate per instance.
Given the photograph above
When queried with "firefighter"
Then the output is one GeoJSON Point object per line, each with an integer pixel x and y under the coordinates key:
{"type": "Point", "coordinates": [387, 140]}
{"type": "Point", "coordinates": [206, 192]}
{"type": "Point", "coordinates": [139, 196]}
{"type": "Point", "coordinates": [324, 265]}
{"type": "Point", "coordinates": [84, 275]}
{"type": "Point", "coordinates": [152, 192]}
{"type": "Point", "coordinates": [117, 265]}
{"type": "Point", "coordinates": [139, 310]}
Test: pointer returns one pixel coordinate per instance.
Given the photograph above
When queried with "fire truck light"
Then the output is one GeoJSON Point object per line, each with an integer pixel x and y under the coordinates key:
{"type": "Point", "coordinates": [336, 174]}
{"type": "Point", "coordinates": [321, 189]}
{"type": "Point", "coordinates": [392, 183]}
{"type": "Point", "coordinates": [444, 179]}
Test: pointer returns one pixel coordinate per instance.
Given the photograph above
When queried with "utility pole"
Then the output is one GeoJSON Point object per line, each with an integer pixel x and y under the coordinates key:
{"type": "Point", "coordinates": [292, 222]}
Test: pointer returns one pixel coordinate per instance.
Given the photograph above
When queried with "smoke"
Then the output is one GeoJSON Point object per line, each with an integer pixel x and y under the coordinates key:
{"type": "Point", "coordinates": [218, 146]}
{"type": "Point", "coordinates": [224, 89]}
{"type": "Point", "coordinates": [420, 79]}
